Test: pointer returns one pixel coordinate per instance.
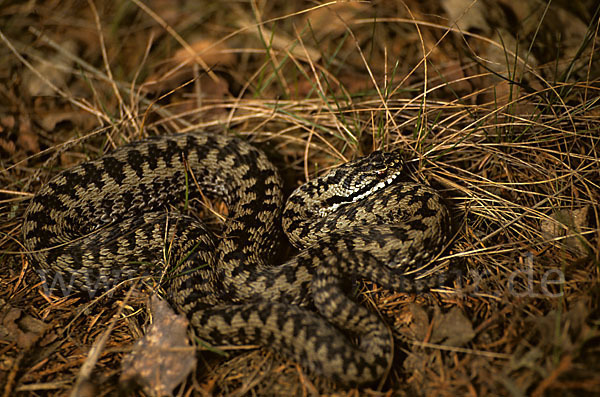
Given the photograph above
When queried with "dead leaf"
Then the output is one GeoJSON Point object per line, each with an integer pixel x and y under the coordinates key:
{"type": "Point", "coordinates": [281, 41]}
{"type": "Point", "coordinates": [54, 70]}
{"type": "Point", "coordinates": [16, 326]}
{"type": "Point", "coordinates": [418, 323]}
{"type": "Point", "coordinates": [566, 222]}
{"type": "Point", "coordinates": [163, 358]}
{"type": "Point", "coordinates": [573, 331]}
{"type": "Point", "coordinates": [28, 139]}
{"type": "Point", "coordinates": [8, 146]}
{"type": "Point", "coordinates": [490, 19]}
{"type": "Point", "coordinates": [210, 53]}
{"type": "Point", "coordinates": [178, 70]}
{"type": "Point", "coordinates": [334, 19]}
{"type": "Point", "coordinates": [49, 120]}
{"type": "Point", "coordinates": [19, 127]}
{"type": "Point", "coordinates": [452, 328]}
{"type": "Point", "coordinates": [467, 15]}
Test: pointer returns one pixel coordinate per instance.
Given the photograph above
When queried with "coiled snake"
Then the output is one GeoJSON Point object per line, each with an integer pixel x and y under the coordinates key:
{"type": "Point", "coordinates": [111, 219]}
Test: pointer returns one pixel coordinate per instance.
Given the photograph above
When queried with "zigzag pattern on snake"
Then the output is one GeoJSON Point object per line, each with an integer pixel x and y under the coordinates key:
{"type": "Point", "coordinates": [115, 217]}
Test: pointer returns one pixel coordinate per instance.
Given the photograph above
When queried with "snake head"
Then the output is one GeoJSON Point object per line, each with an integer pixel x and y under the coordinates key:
{"type": "Point", "coordinates": [356, 180]}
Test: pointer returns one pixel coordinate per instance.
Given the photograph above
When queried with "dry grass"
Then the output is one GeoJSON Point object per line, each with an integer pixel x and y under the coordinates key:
{"type": "Point", "coordinates": [499, 111]}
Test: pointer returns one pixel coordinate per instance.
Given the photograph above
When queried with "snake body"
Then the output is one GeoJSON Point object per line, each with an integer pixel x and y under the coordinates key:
{"type": "Point", "coordinates": [115, 218]}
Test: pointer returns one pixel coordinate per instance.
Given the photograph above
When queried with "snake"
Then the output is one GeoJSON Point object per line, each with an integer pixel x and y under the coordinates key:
{"type": "Point", "coordinates": [129, 214]}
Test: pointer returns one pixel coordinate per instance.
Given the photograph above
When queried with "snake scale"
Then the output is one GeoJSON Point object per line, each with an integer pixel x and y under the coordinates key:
{"type": "Point", "coordinates": [116, 217]}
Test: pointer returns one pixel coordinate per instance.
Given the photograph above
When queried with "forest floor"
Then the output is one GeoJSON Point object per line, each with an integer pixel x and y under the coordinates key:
{"type": "Point", "coordinates": [495, 104]}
